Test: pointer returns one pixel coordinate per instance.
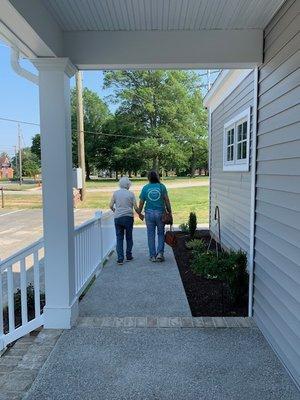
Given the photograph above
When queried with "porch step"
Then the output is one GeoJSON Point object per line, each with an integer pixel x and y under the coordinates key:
{"type": "Point", "coordinates": [21, 362]}
{"type": "Point", "coordinates": [165, 322]}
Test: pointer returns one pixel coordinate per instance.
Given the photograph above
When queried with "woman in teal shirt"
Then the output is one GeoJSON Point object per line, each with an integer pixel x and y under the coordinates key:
{"type": "Point", "coordinates": [154, 196]}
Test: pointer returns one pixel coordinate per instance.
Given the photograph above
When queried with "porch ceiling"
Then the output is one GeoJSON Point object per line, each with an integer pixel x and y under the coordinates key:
{"type": "Point", "coordinates": [163, 15]}
{"type": "Point", "coordinates": [112, 34]}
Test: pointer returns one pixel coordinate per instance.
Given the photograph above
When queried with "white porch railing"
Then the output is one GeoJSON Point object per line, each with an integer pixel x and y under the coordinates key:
{"type": "Point", "coordinates": [94, 241]}
{"type": "Point", "coordinates": [14, 271]}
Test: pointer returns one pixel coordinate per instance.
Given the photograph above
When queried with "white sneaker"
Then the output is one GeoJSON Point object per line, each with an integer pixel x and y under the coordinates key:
{"type": "Point", "coordinates": [153, 259]}
{"type": "Point", "coordinates": [160, 257]}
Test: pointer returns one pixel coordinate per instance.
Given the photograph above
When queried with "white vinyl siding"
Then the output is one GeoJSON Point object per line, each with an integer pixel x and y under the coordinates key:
{"type": "Point", "coordinates": [230, 190]}
{"type": "Point", "coordinates": [277, 220]}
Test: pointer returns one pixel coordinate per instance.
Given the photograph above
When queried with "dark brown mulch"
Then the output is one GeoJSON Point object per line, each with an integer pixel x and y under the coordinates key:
{"type": "Point", "coordinates": [206, 297]}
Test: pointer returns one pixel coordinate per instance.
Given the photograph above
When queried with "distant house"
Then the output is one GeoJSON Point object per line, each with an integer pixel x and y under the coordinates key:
{"type": "Point", "coordinates": [6, 170]}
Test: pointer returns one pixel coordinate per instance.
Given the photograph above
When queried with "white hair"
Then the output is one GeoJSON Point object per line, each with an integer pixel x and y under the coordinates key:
{"type": "Point", "coordinates": [124, 182]}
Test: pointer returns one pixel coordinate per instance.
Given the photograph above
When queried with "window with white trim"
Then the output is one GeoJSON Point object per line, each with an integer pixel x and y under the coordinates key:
{"type": "Point", "coordinates": [236, 143]}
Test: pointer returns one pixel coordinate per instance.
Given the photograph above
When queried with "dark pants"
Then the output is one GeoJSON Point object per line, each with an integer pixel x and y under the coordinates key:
{"type": "Point", "coordinates": [124, 225]}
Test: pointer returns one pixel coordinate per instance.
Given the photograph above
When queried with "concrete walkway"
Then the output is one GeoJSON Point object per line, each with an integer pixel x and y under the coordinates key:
{"type": "Point", "coordinates": [137, 288]}
{"type": "Point", "coordinates": [110, 356]}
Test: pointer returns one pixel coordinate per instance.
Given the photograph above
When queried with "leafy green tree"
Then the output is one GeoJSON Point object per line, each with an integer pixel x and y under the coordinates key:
{"type": "Point", "coordinates": [30, 163]}
{"type": "Point", "coordinates": [95, 114]}
{"type": "Point", "coordinates": [164, 107]}
{"type": "Point", "coordinates": [36, 145]}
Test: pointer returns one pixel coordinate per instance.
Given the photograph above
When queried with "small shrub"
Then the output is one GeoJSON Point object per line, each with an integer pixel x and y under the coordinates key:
{"type": "Point", "coordinates": [234, 267]}
{"type": "Point", "coordinates": [184, 228]}
{"type": "Point", "coordinates": [192, 224]}
{"type": "Point", "coordinates": [197, 245]}
{"type": "Point", "coordinates": [230, 267]}
{"type": "Point", "coordinates": [206, 265]}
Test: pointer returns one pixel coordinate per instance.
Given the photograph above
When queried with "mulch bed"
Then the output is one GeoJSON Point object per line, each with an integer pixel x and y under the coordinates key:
{"type": "Point", "coordinates": [206, 297]}
{"type": "Point", "coordinates": [17, 308]}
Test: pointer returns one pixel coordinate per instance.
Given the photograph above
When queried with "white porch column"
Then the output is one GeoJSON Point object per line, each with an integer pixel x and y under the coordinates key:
{"type": "Point", "coordinates": [55, 117]}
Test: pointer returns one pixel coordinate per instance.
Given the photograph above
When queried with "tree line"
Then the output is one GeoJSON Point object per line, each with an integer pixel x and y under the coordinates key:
{"type": "Point", "coordinates": [159, 123]}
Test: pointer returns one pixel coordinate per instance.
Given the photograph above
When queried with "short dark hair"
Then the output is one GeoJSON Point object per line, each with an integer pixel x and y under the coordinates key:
{"type": "Point", "coordinates": [153, 177]}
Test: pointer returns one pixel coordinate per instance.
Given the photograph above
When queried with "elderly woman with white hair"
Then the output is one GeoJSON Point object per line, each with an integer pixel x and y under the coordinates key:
{"type": "Point", "coordinates": [122, 204]}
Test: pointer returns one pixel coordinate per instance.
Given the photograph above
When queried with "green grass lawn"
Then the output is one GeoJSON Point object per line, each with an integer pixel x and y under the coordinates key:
{"type": "Point", "coordinates": [102, 183]}
{"type": "Point", "coordinates": [21, 201]}
{"type": "Point", "coordinates": [15, 187]}
{"type": "Point", "coordinates": [184, 200]}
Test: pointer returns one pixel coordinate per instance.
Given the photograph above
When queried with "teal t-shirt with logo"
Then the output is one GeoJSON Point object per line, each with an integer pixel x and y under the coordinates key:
{"type": "Point", "coordinates": [153, 195]}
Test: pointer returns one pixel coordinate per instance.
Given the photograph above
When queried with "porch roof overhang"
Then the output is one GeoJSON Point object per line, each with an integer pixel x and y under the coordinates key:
{"type": "Point", "coordinates": [226, 82]}
{"type": "Point", "coordinates": [129, 34]}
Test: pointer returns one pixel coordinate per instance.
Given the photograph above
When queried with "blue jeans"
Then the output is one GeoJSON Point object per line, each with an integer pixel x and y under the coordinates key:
{"type": "Point", "coordinates": [153, 222]}
{"type": "Point", "coordinates": [124, 225]}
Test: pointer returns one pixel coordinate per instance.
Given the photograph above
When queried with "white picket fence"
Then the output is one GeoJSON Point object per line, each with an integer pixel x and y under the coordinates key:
{"type": "Point", "coordinates": [94, 241]}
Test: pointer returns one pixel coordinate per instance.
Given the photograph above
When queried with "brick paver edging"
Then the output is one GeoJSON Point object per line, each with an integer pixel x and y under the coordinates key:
{"type": "Point", "coordinates": [166, 322]}
{"type": "Point", "coordinates": [20, 364]}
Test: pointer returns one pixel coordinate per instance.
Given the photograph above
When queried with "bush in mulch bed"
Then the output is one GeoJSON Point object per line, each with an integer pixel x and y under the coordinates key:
{"type": "Point", "coordinates": [229, 267]}
{"type": "Point", "coordinates": [17, 304]}
{"type": "Point", "coordinates": [191, 226]}
{"type": "Point", "coordinates": [214, 285]}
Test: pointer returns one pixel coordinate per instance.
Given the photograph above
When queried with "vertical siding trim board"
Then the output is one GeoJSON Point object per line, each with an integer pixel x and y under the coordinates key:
{"type": "Point", "coordinates": [209, 164]}
{"type": "Point", "coordinates": [253, 194]}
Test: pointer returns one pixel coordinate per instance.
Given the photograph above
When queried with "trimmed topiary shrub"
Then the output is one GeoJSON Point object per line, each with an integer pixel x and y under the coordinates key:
{"type": "Point", "coordinates": [192, 224]}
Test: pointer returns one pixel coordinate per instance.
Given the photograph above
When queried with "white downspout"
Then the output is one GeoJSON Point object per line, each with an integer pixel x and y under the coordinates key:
{"type": "Point", "coordinates": [253, 194]}
{"type": "Point", "coordinates": [14, 61]}
{"type": "Point", "coordinates": [209, 163]}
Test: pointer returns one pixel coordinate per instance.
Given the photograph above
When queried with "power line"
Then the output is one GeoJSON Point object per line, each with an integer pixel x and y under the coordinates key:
{"type": "Point", "coordinates": [118, 135]}
{"type": "Point", "coordinates": [18, 121]}
{"type": "Point", "coordinates": [75, 130]}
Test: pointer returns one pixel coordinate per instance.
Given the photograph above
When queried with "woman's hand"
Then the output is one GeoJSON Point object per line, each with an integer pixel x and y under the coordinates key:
{"type": "Point", "coordinates": [141, 216]}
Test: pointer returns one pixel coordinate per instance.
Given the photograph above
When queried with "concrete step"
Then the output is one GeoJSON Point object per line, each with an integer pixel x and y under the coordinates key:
{"type": "Point", "coordinates": [165, 322]}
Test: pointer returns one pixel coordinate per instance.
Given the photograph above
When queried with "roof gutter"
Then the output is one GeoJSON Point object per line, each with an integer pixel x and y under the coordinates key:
{"type": "Point", "coordinates": [224, 85]}
{"type": "Point", "coordinates": [15, 64]}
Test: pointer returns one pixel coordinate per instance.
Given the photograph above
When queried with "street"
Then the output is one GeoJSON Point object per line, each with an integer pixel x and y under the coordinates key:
{"type": "Point", "coordinates": [104, 189]}
{"type": "Point", "coordinates": [20, 228]}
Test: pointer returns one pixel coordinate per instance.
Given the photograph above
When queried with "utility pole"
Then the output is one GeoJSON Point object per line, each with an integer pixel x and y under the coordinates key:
{"type": "Point", "coordinates": [20, 153]}
{"type": "Point", "coordinates": [208, 79]}
{"type": "Point", "coordinates": [80, 131]}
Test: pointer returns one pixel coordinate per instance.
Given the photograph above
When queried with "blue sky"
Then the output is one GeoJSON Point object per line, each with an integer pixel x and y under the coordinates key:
{"type": "Point", "coordinates": [19, 101]}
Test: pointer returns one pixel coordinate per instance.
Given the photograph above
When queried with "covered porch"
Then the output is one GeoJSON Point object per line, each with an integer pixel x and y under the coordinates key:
{"type": "Point", "coordinates": [61, 38]}
{"type": "Point", "coordinates": [135, 338]}
{"type": "Point", "coordinates": [50, 35]}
